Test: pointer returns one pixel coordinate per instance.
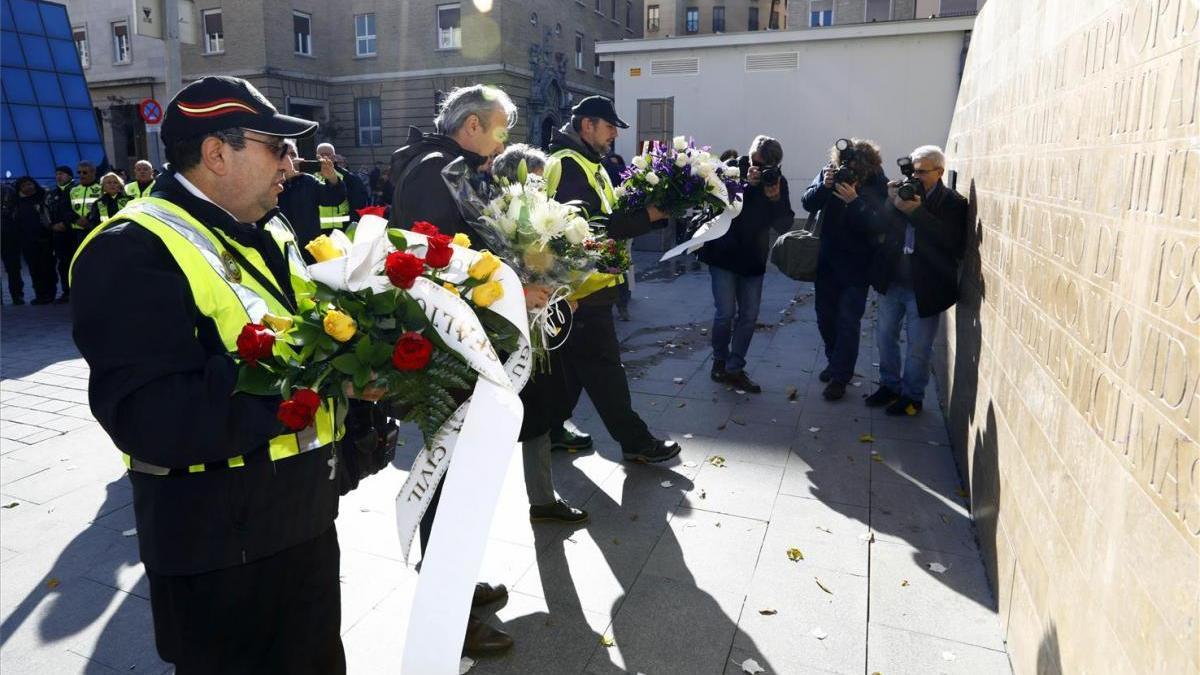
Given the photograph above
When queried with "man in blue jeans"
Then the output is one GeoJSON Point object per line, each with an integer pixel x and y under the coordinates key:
{"type": "Point", "coordinates": [915, 272]}
{"type": "Point", "coordinates": [738, 261]}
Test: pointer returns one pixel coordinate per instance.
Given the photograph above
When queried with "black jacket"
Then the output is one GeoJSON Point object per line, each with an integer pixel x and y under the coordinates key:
{"type": "Point", "coordinates": [356, 192]}
{"type": "Point", "coordinates": [743, 250]}
{"type": "Point", "coordinates": [162, 387]}
{"type": "Point", "coordinates": [939, 229]}
{"type": "Point", "coordinates": [420, 191]}
{"type": "Point", "coordinates": [848, 231]}
{"type": "Point", "coordinates": [27, 218]}
{"type": "Point", "coordinates": [573, 186]}
{"type": "Point", "coordinates": [58, 202]}
{"type": "Point", "coordinates": [300, 203]}
{"type": "Point", "coordinates": [111, 206]}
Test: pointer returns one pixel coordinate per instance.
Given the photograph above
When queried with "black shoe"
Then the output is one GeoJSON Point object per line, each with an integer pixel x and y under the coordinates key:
{"type": "Point", "coordinates": [482, 640]}
{"type": "Point", "coordinates": [63, 299]}
{"type": "Point", "coordinates": [904, 406]}
{"type": "Point", "coordinates": [882, 396]}
{"type": "Point", "coordinates": [658, 451]}
{"type": "Point", "coordinates": [825, 376]}
{"type": "Point", "coordinates": [565, 439]}
{"type": "Point", "coordinates": [622, 313]}
{"type": "Point", "coordinates": [834, 391]}
{"type": "Point", "coordinates": [742, 382]}
{"type": "Point", "coordinates": [42, 301]}
{"type": "Point", "coordinates": [18, 301]}
{"type": "Point", "coordinates": [718, 373]}
{"type": "Point", "coordinates": [558, 512]}
{"type": "Point", "coordinates": [486, 594]}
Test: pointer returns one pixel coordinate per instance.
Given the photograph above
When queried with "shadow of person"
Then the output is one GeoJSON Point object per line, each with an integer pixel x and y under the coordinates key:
{"type": "Point", "coordinates": [1049, 658]}
{"type": "Point", "coordinates": [963, 378]}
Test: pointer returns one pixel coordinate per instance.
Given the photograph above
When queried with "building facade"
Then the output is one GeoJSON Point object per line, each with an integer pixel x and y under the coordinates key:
{"type": "Point", "coordinates": [820, 13]}
{"type": "Point", "coordinates": [121, 69]}
{"type": "Point", "coordinates": [368, 69]}
{"type": "Point", "coordinates": [669, 18]}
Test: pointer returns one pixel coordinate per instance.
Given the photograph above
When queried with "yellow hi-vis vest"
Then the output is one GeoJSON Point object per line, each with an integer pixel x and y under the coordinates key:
{"type": "Point", "coordinates": [333, 216]}
{"type": "Point", "coordinates": [122, 200]}
{"type": "Point", "coordinates": [600, 183]}
{"type": "Point", "coordinates": [230, 299]}
{"type": "Point", "coordinates": [82, 198]}
{"type": "Point", "coordinates": [134, 192]}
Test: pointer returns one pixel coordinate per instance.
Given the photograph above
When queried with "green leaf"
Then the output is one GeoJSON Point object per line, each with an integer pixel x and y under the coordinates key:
{"type": "Point", "coordinates": [257, 380]}
{"type": "Point", "coordinates": [362, 377]}
{"type": "Point", "coordinates": [381, 353]}
{"type": "Point", "coordinates": [347, 363]}
{"type": "Point", "coordinates": [362, 349]}
{"type": "Point", "coordinates": [382, 303]}
{"type": "Point", "coordinates": [397, 238]}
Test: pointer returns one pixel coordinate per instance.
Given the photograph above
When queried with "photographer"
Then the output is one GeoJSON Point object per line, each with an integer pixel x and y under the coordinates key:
{"type": "Point", "coordinates": [915, 272]}
{"type": "Point", "coordinates": [849, 194]}
{"type": "Point", "coordinates": [738, 260]}
{"type": "Point", "coordinates": [304, 197]}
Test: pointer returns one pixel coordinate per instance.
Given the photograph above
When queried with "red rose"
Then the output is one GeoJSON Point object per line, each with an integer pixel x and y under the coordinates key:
{"type": "Point", "coordinates": [439, 253]}
{"type": "Point", "coordinates": [255, 342]}
{"type": "Point", "coordinates": [380, 211]}
{"type": "Point", "coordinates": [403, 268]}
{"type": "Point", "coordinates": [412, 351]}
{"type": "Point", "coordinates": [425, 228]}
{"type": "Point", "coordinates": [298, 412]}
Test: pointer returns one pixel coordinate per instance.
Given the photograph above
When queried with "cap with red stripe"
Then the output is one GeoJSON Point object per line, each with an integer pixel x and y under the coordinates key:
{"type": "Point", "coordinates": [218, 102]}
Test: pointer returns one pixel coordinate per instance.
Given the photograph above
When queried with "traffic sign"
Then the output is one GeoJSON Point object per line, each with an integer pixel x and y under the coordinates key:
{"type": "Point", "coordinates": [151, 111]}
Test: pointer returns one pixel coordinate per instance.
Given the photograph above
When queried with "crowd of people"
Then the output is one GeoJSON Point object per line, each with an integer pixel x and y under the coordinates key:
{"type": "Point", "coordinates": [235, 513]}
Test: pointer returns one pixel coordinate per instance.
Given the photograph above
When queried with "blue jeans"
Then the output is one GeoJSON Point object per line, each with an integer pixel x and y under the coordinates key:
{"type": "Point", "coordinates": [899, 305]}
{"type": "Point", "coordinates": [736, 298]}
{"type": "Point", "coordinates": [839, 317]}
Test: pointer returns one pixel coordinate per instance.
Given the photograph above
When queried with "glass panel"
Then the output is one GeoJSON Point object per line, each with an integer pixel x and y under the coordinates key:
{"type": "Point", "coordinates": [6, 127]}
{"type": "Point", "coordinates": [45, 85]}
{"type": "Point", "coordinates": [12, 161]}
{"type": "Point", "coordinates": [38, 160]}
{"type": "Point", "coordinates": [37, 52]}
{"type": "Point", "coordinates": [7, 21]}
{"type": "Point", "coordinates": [878, 10]}
{"type": "Point", "coordinates": [58, 125]}
{"type": "Point", "coordinates": [17, 88]}
{"type": "Point", "coordinates": [29, 20]}
{"type": "Point", "coordinates": [92, 151]}
{"type": "Point", "coordinates": [75, 91]}
{"type": "Point", "coordinates": [10, 50]}
{"type": "Point", "coordinates": [66, 59]}
{"type": "Point", "coordinates": [55, 19]}
{"type": "Point", "coordinates": [65, 153]}
{"type": "Point", "coordinates": [84, 123]}
{"type": "Point", "coordinates": [28, 122]}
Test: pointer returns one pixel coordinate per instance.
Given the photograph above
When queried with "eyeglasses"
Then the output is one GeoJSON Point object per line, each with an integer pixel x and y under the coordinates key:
{"type": "Point", "coordinates": [280, 149]}
{"type": "Point", "coordinates": [922, 172]}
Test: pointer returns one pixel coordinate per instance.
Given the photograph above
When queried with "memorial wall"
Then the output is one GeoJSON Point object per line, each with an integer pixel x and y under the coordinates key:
{"type": "Point", "coordinates": [1071, 372]}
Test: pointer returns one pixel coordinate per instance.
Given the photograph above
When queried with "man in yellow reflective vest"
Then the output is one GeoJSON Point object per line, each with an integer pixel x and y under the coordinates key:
{"type": "Point", "coordinates": [234, 513]}
{"type": "Point", "coordinates": [143, 180]}
{"type": "Point", "coordinates": [346, 212]}
{"type": "Point", "coordinates": [591, 356]}
{"type": "Point", "coordinates": [83, 195]}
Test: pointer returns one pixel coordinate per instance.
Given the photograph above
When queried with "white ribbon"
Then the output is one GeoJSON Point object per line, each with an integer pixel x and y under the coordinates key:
{"type": "Point", "coordinates": [710, 231]}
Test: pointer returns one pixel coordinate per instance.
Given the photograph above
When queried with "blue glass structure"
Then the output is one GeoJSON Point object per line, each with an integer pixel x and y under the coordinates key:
{"type": "Point", "coordinates": [46, 116]}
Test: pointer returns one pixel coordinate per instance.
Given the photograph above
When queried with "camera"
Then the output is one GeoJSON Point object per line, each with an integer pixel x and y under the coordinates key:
{"type": "Point", "coordinates": [768, 175]}
{"type": "Point", "coordinates": [910, 188]}
{"type": "Point", "coordinates": [846, 155]}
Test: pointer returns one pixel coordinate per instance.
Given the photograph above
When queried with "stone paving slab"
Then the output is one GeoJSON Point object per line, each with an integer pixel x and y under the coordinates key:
{"type": "Point", "coordinates": [650, 585]}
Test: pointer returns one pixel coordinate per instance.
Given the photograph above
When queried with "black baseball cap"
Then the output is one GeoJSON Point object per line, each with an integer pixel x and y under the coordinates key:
{"type": "Point", "coordinates": [220, 102]}
{"type": "Point", "coordinates": [599, 106]}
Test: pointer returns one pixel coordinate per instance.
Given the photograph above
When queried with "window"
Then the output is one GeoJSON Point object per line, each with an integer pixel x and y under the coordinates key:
{"type": "Point", "coordinates": [364, 35]}
{"type": "Point", "coordinates": [449, 26]}
{"type": "Point", "coordinates": [693, 20]}
{"type": "Point", "coordinates": [652, 19]}
{"type": "Point", "coordinates": [718, 19]}
{"type": "Point", "coordinates": [579, 51]}
{"type": "Point", "coordinates": [81, 46]}
{"type": "Point", "coordinates": [773, 21]}
{"type": "Point", "coordinates": [370, 121]}
{"type": "Point", "coordinates": [120, 40]}
{"type": "Point", "coordinates": [214, 31]}
{"type": "Point", "coordinates": [752, 21]}
{"type": "Point", "coordinates": [629, 13]}
{"type": "Point", "coordinates": [878, 10]}
{"type": "Point", "coordinates": [821, 18]}
{"type": "Point", "coordinates": [596, 65]}
{"type": "Point", "coordinates": [600, 6]}
{"type": "Point", "coordinates": [302, 29]}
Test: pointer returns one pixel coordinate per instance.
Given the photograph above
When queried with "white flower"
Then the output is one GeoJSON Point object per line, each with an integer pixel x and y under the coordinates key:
{"type": "Point", "coordinates": [732, 172]}
{"type": "Point", "coordinates": [680, 143]}
{"type": "Point", "coordinates": [577, 231]}
{"type": "Point", "coordinates": [652, 178]}
{"type": "Point", "coordinates": [681, 160]}
{"type": "Point", "coordinates": [619, 191]}
{"type": "Point", "coordinates": [705, 170]}
{"type": "Point", "coordinates": [640, 161]}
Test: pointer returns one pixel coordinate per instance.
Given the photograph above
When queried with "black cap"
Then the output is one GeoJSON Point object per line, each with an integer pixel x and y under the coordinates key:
{"type": "Point", "coordinates": [599, 106]}
{"type": "Point", "coordinates": [218, 102]}
{"type": "Point", "coordinates": [63, 168]}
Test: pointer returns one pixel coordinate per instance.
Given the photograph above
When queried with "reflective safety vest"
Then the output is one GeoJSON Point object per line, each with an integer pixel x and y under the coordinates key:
{"type": "Point", "coordinates": [230, 297]}
{"type": "Point", "coordinates": [597, 177]}
{"type": "Point", "coordinates": [132, 189]}
{"type": "Point", "coordinates": [82, 198]}
{"type": "Point", "coordinates": [122, 200]}
{"type": "Point", "coordinates": [333, 216]}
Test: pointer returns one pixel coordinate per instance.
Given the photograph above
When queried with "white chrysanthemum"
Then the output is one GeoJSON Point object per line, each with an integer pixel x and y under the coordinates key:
{"type": "Point", "coordinates": [681, 160]}
{"type": "Point", "coordinates": [620, 191]}
{"type": "Point", "coordinates": [652, 178]}
{"type": "Point", "coordinates": [641, 162]}
{"type": "Point", "coordinates": [680, 143]}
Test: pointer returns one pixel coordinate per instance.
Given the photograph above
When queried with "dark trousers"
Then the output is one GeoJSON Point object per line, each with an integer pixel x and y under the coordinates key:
{"type": "Point", "coordinates": [35, 251]}
{"type": "Point", "coordinates": [590, 360]}
{"type": "Point", "coordinates": [839, 317]}
{"type": "Point", "coordinates": [281, 614]}
{"type": "Point", "coordinates": [64, 245]}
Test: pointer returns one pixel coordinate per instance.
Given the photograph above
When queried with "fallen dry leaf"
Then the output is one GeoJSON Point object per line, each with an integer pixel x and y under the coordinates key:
{"type": "Point", "coordinates": [818, 633]}
{"type": "Point", "coordinates": [721, 427]}
{"type": "Point", "coordinates": [794, 554]}
{"type": "Point", "coordinates": [814, 429]}
{"type": "Point", "coordinates": [616, 542]}
{"type": "Point", "coordinates": [876, 457]}
{"type": "Point", "coordinates": [52, 583]}
{"type": "Point", "coordinates": [739, 392]}
{"type": "Point", "coordinates": [866, 438]}
{"type": "Point", "coordinates": [937, 568]}
{"type": "Point", "coordinates": [768, 612]}
{"type": "Point", "coordinates": [607, 641]}
{"type": "Point", "coordinates": [703, 494]}
{"type": "Point", "coordinates": [792, 392]}
{"type": "Point", "coordinates": [667, 484]}
{"type": "Point", "coordinates": [677, 380]}
{"type": "Point", "coordinates": [751, 666]}
{"type": "Point", "coordinates": [130, 532]}
{"type": "Point", "coordinates": [737, 421]}
{"type": "Point", "coordinates": [945, 520]}
{"type": "Point", "coordinates": [13, 505]}
{"type": "Point", "coordinates": [822, 586]}
{"type": "Point", "coordinates": [688, 436]}
{"type": "Point", "coordinates": [904, 582]}
{"type": "Point", "coordinates": [826, 530]}
{"type": "Point", "coordinates": [681, 404]}
{"type": "Point", "coordinates": [716, 460]}
{"type": "Point", "coordinates": [961, 493]}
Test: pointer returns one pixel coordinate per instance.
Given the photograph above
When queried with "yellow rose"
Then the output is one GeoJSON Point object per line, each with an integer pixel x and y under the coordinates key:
{"type": "Point", "coordinates": [339, 325]}
{"type": "Point", "coordinates": [451, 287]}
{"type": "Point", "coordinates": [483, 266]}
{"type": "Point", "coordinates": [277, 323]}
{"type": "Point", "coordinates": [323, 249]}
{"type": "Point", "coordinates": [461, 239]}
{"type": "Point", "coordinates": [485, 294]}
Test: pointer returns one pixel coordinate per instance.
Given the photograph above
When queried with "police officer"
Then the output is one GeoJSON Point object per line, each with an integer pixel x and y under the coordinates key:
{"type": "Point", "coordinates": [234, 513]}
{"type": "Point", "coordinates": [346, 212]}
{"type": "Point", "coordinates": [143, 180]}
{"type": "Point", "coordinates": [591, 355]}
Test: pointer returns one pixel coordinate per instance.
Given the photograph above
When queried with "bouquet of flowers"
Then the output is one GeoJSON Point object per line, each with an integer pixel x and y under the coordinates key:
{"type": "Point", "coordinates": [681, 179]}
{"type": "Point", "coordinates": [365, 325]}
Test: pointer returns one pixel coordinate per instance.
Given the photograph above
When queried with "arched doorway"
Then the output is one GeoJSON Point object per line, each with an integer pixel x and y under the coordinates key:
{"type": "Point", "coordinates": [549, 124]}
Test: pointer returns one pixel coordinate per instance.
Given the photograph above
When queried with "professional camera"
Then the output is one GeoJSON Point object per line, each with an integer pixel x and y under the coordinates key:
{"type": "Point", "coordinates": [846, 154]}
{"type": "Point", "coordinates": [767, 175]}
{"type": "Point", "coordinates": [910, 188]}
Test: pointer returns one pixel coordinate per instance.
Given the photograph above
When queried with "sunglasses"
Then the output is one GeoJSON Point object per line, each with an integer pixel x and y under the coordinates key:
{"type": "Point", "coordinates": [279, 149]}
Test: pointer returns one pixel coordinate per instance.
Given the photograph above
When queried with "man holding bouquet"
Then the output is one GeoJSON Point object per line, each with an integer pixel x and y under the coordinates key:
{"type": "Point", "coordinates": [591, 357]}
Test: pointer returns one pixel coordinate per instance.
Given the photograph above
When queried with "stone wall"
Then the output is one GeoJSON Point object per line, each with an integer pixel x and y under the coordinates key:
{"type": "Point", "coordinates": [1073, 363]}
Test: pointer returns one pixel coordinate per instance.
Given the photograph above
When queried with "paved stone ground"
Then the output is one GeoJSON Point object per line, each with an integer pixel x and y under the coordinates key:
{"type": "Point", "coordinates": [676, 571]}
